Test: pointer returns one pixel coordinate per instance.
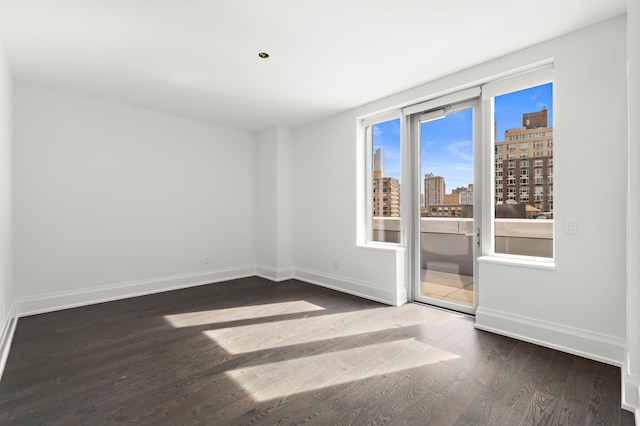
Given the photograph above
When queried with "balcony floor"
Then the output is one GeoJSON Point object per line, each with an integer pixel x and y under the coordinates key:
{"type": "Point", "coordinates": [446, 286]}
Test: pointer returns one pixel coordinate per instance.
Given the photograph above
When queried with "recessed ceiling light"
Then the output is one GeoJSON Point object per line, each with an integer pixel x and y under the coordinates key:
{"type": "Point", "coordinates": [263, 55]}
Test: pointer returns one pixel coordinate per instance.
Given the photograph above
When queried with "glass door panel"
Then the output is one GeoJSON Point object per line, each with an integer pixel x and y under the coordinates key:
{"type": "Point", "coordinates": [448, 231]}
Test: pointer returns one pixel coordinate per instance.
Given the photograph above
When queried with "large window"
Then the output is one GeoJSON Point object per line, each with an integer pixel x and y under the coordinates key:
{"type": "Point", "coordinates": [523, 220]}
{"type": "Point", "coordinates": [385, 181]}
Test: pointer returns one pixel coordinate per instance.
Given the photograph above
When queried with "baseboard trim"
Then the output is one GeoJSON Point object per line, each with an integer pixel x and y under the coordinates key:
{"type": "Point", "coordinates": [274, 274]}
{"type": "Point", "coordinates": [595, 346]}
{"type": "Point", "coordinates": [8, 330]}
{"type": "Point", "coordinates": [89, 296]}
{"type": "Point", "coordinates": [631, 393]}
{"type": "Point", "coordinates": [348, 285]}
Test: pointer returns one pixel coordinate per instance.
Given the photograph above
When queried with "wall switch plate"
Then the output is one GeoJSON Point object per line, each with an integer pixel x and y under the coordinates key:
{"type": "Point", "coordinates": [570, 227]}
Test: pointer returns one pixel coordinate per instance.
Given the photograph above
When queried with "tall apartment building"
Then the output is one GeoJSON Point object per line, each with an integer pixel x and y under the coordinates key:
{"type": "Point", "coordinates": [434, 190]}
{"type": "Point", "coordinates": [466, 194]}
{"type": "Point", "coordinates": [386, 189]}
{"type": "Point", "coordinates": [524, 164]}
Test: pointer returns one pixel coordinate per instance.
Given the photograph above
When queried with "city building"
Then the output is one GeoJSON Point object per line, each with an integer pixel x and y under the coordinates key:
{"type": "Point", "coordinates": [434, 189]}
{"type": "Point", "coordinates": [386, 189]}
{"type": "Point", "coordinates": [457, 204]}
{"type": "Point", "coordinates": [466, 194]}
{"type": "Point", "coordinates": [378, 163]}
{"type": "Point", "coordinates": [524, 164]}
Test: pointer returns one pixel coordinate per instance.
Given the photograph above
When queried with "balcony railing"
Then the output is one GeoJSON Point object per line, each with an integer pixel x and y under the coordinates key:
{"type": "Point", "coordinates": [446, 247]}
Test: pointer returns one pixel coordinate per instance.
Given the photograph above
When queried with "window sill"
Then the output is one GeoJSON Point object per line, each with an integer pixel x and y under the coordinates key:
{"type": "Point", "coordinates": [380, 245]}
{"type": "Point", "coordinates": [534, 262]}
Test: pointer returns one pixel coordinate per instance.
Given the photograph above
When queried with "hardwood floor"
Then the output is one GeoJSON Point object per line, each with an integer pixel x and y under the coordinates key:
{"type": "Point", "coordinates": [254, 352]}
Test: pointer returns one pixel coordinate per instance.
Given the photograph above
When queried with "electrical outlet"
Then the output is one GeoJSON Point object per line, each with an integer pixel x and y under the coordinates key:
{"type": "Point", "coordinates": [335, 264]}
{"type": "Point", "coordinates": [206, 260]}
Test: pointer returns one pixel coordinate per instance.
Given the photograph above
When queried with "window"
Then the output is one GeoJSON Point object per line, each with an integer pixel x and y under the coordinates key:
{"type": "Point", "coordinates": [522, 109]}
{"type": "Point", "coordinates": [383, 144]}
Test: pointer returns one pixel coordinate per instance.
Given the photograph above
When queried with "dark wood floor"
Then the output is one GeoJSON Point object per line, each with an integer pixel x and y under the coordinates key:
{"type": "Point", "coordinates": [254, 352]}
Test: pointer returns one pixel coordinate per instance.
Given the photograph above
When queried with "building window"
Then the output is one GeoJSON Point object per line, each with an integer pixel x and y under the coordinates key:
{"type": "Point", "coordinates": [384, 154]}
{"type": "Point", "coordinates": [524, 113]}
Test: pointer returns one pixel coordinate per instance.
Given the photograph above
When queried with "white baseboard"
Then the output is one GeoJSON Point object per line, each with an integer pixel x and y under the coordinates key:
{"type": "Point", "coordinates": [631, 393]}
{"type": "Point", "coordinates": [595, 346]}
{"type": "Point", "coordinates": [348, 285]}
{"type": "Point", "coordinates": [274, 274]}
{"type": "Point", "coordinates": [89, 296]}
{"type": "Point", "coordinates": [6, 336]}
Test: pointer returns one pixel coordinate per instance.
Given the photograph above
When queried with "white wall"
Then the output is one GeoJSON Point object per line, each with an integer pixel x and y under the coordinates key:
{"type": "Point", "coordinates": [325, 216]}
{"type": "Point", "coordinates": [274, 164]}
{"type": "Point", "coordinates": [579, 306]}
{"type": "Point", "coordinates": [112, 201]}
{"type": "Point", "coordinates": [285, 217]}
{"type": "Point", "coordinates": [266, 198]}
{"type": "Point", "coordinates": [631, 389]}
{"type": "Point", "coordinates": [6, 282]}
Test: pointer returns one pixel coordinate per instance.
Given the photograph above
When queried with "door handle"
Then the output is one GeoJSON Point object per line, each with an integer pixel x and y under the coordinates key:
{"type": "Point", "coordinates": [476, 238]}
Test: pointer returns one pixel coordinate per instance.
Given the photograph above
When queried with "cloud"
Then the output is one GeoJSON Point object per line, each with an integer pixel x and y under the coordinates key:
{"type": "Point", "coordinates": [536, 94]}
{"type": "Point", "coordinates": [462, 150]}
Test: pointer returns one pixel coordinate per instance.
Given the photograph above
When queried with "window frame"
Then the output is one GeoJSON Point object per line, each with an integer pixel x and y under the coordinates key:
{"type": "Point", "coordinates": [522, 78]}
{"type": "Point", "coordinates": [365, 231]}
{"type": "Point", "coordinates": [520, 81]}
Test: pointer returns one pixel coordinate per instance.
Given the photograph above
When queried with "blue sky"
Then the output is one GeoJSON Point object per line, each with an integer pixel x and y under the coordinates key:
{"type": "Point", "coordinates": [446, 144]}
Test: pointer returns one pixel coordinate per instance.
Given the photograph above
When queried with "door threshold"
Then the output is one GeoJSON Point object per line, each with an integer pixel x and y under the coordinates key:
{"type": "Point", "coordinates": [452, 310]}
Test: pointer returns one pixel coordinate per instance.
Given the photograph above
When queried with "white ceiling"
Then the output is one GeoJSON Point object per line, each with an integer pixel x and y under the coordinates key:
{"type": "Point", "coordinates": [199, 58]}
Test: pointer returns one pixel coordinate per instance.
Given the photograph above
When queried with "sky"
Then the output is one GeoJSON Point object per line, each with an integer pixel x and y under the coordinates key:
{"type": "Point", "coordinates": [446, 144]}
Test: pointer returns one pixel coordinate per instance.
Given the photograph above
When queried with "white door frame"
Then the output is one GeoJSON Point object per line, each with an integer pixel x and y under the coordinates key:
{"type": "Point", "coordinates": [412, 198]}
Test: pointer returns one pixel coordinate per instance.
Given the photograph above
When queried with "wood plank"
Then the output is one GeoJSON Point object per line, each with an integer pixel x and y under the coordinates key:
{"type": "Point", "coordinates": [249, 356]}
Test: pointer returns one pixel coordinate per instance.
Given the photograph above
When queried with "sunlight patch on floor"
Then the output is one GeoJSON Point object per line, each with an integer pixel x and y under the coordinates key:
{"type": "Point", "coordinates": [280, 379]}
{"type": "Point", "coordinates": [257, 337]}
{"type": "Point", "coordinates": [191, 319]}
